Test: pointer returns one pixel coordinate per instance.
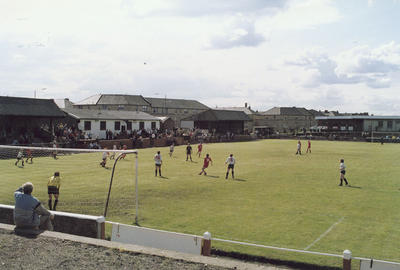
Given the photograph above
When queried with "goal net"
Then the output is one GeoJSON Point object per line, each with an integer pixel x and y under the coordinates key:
{"type": "Point", "coordinates": [86, 177]}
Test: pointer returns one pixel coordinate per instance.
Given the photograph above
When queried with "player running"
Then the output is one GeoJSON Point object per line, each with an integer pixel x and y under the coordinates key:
{"type": "Point", "coordinates": [199, 149]}
{"type": "Point", "coordinates": [309, 147]}
{"type": "Point", "coordinates": [231, 164]}
{"type": "Point", "coordinates": [53, 188]}
{"type": "Point", "coordinates": [104, 157]}
{"type": "Point", "coordinates": [207, 160]}
{"type": "Point", "coordinates": [29, 155]}
{"type": "Point", "coordinates": [188, 152]}
{"type": "Point", "coordinates": [158, 162]}
{"type": "Point", "coordinates": [342, 169]}
{"type": "Point", "coordinates": [20, 156]}
{"type": "Point", "coordinates": [171, 149]}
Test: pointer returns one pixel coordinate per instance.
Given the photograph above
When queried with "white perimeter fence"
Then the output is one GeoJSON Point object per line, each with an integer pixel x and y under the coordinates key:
{"type": "Point", "coordinates": [201, 245]}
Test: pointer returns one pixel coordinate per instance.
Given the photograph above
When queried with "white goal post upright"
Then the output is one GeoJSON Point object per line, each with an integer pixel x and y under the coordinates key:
{"type": "Point", "coordinates": [10, 152]}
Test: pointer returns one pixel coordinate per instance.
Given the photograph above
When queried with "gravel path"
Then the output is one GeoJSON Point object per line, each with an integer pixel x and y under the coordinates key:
{"type": "Point", "coordinates": [17, 252]}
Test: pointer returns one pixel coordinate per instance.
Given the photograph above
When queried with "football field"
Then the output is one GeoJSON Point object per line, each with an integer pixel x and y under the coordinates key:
{"type": "Point", "coordinates": [277, 198]}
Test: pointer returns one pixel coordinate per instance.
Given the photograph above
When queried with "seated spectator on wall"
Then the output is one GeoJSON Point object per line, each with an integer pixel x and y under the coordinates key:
{"type": "Point", "coordinates": [29, 212]}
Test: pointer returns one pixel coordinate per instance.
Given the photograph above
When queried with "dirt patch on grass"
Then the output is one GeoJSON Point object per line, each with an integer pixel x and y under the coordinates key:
{"type": "Point", "coordinates": [18, 252]}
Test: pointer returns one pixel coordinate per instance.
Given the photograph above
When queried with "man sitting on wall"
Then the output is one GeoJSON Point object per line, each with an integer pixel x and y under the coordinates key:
{"type": "Point", "coordinates": [29, 212]}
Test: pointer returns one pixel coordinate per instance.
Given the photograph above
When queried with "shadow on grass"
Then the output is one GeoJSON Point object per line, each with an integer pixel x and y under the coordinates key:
{"type": "Point", "coordinates": [212, 176]}
{"type": "Point", "coordinates": [274, 262]}
{"type": "Point", "coordinates": [239, 179]}
{"type": "Point", "coordinates": [163, 177]}
{"type": "Point", "coordinates": [353, 186]}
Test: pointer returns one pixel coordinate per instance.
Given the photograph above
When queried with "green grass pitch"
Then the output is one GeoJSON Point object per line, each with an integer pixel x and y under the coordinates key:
{"type": "Point", "coordinates": [277, 199]}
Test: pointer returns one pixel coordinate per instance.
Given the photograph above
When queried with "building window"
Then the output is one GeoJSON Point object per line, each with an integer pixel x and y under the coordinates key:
{"type": "Point", "coordinates": [380, 123]}
{"type": "Point", "coordinates": [390, 124]}
{"type": "Point", "coordinates": [103, 125]}
{"type": "Point", "coordinates": [121, 107]}
{"type": "Point", "coordinates": [141, 125]}
{"type": "Point", "coordinates": [185, 111]}
{"type": "Point", "coordinates": [88, 125]}
{"type": "Point", "coordinates": [117, 125]}
{"type": "Point", "coordinates": [153, 125]}
{"type": "Point", "coordinates": [144, 108]}
{"type": "Point", "coordinates": [104, 107]}
{"type": "Point", "coordinates": [154, 110]}
{"type": "Point", "coordinates": [129, 125]}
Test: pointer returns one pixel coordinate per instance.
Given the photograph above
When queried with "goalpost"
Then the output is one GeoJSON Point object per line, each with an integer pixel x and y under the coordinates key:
{"type": "Point", "coordinates": [80, 166]}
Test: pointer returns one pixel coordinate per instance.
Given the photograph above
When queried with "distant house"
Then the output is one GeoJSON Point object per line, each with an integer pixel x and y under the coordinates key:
{"type": "Point", "coordinates": [176, 109]}
{"type": "Point", "coordinates": [115, 103]}
{"type": "Point", "coordinates": [30, 117]}
{"type": "Point", "coordinates": [97, 122]}
{"type": "Point", "coordinates": [221, 121]}
{"type": "Point", "coordinates": [358, 124]}
{"type": "Point", "coordinates": [286, 119]}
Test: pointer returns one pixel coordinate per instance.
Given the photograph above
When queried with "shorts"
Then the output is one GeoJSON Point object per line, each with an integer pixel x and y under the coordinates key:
{"type": "Point", "coordinates": [343, 172]}
{"type": "Point", "coordinates": [104, 159]}
{"type": "Point", "coordinates": [230, 166]}
{"type": "Point", "coordinates": [158, 165]}
{"type": "Point", "coordinates": [52, 190]}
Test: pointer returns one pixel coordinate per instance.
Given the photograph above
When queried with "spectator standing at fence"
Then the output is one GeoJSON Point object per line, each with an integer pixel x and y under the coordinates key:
{"type": "Point", "coordinates": [29, 212]}
{"type": "Point", "coordinates": [207, 161]}
{"type": "Point", "coordinates": [54, 151]}
{"type": "Point", "coordinates": [298, 148]}
{"type": "Point", "coordinates": [199, 149]}
{"type": "Point", "coordinates": [158, 162]}
{"type": "Point", "coordinates": [231, 165]}
{"type": "Point", "coordinates": [309, 147]}
{"type": "Point", "coordinates": [189, 152]}
{"type": "Point", "coordinates": [342, 169]}
{"type": "Point", "coordinates": [20, 156]}
{"type": "Point", "coordinates": [53, 189]}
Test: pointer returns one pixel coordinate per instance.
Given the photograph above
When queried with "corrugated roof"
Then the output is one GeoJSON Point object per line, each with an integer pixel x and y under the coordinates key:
{"type": "Point", "coordinates": [109, 115]}
{"type": "Point", "coordinates": [176, 103]}
{"type": "Point", "coordinates": [287, 111]}
{"type": "Point", "coordinates": [221, 115]}
{"type": "Point", "coordinates": [17, 106]}
{"type": "Point", "coordinates": [114, 99]}
{"type": "Point", "coordinates": [246, 110]}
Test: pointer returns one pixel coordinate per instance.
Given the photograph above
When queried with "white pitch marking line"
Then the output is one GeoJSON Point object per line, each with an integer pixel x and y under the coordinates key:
{"type": "Point", "coordinates": [325, 233]}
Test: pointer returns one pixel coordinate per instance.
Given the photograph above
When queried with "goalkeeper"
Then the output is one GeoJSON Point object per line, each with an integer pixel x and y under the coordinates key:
{"type": "Point", "coordinates": [53, 188]}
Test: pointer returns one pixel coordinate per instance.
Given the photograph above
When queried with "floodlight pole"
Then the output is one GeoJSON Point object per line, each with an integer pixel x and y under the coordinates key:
{"type": "Point", "coordinates": [137, 192]}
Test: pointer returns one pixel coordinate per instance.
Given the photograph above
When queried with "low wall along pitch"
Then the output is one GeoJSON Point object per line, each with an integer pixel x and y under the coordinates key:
{"type": "Point", "coordinates": [157, 239]}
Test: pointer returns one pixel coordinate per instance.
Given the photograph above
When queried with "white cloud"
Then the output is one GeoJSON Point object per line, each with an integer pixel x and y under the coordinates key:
{"type": "Point", "coordinates": [239, 31]}
{"type": "Point", "coordinates": [361, 64]}
{"type": "Point", "coordinates": [301, 14]}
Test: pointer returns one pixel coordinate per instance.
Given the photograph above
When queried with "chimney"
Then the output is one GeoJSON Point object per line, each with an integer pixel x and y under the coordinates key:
{"type": "Point", "coordinates": [245, 104]}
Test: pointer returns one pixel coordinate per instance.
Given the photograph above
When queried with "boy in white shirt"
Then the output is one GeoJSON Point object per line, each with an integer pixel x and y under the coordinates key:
{"type": "Point", "coordinates": [158, 162]}
{"type": "Point", "coordinates": [231, 164]}
{"type": "Point", "coordinates": [342, 169]}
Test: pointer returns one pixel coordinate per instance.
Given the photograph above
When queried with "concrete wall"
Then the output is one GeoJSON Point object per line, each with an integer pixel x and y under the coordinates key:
{"type": "Point", "coordinates": [83, 225]}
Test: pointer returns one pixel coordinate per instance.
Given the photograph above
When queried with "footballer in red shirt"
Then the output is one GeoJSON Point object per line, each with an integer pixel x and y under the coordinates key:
{"type": "Point", "coordinates": [199, 149]}
{"type": "Point", "coordinates": [207, 161]}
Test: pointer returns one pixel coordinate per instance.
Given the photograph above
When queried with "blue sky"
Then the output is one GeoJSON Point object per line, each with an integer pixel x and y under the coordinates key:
{"type": "Point", "coordinates": [320, 54]}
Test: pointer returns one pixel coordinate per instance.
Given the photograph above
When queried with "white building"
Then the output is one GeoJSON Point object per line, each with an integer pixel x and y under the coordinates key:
{"type": "Point", "coordinates": [97, 122]}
